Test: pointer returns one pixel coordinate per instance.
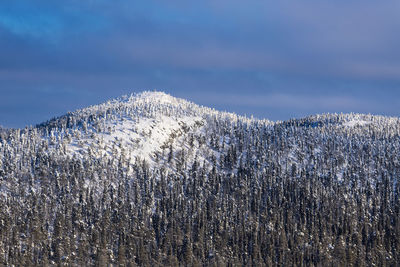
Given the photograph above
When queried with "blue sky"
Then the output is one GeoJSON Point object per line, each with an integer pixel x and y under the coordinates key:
{"type": "Point", "coordinates": [270, 59]}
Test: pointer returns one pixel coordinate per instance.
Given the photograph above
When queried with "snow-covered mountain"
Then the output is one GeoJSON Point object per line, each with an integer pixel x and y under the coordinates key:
{"type": "Point", "coordinates": [145, 126]}
{"type": "Point", "coordinates": [150, 179]}
{"type": "Point", "coordinates": [156, 127]}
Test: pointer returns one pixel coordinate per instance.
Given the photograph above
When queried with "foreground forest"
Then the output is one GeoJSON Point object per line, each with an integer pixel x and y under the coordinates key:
{"type": "Point", "coordinates": [221, 189]}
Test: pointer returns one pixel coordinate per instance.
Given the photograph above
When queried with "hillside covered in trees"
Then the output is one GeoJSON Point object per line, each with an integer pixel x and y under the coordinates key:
{"type": "Point", "coordinates": [151, 180]}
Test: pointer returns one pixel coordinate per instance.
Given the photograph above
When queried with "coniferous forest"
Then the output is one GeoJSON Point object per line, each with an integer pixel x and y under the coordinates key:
{"type": "Point", "coordinates": [221, 189]}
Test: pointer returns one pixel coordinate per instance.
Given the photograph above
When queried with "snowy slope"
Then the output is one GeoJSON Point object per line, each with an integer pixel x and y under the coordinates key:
{"type": "Point", "coordinates": [140, 138]}
{"type": "Point", "coordinates": [145, 126]}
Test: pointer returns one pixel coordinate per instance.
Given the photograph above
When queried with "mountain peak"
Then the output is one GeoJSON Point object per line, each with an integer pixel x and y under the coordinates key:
{"type": "Point", "coordinates": [156, 96]}
{"type": "Point", "coordinates": [136, 126]}
{"type": "Point", "coordinates": [150, 97]}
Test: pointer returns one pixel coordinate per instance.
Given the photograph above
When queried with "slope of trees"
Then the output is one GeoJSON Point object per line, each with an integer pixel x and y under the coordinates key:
{"type": "Point", "coordinates": [317, 191]}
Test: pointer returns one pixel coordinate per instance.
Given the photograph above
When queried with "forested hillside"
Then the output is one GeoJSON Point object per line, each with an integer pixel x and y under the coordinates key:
{"type": "Point", "coordinates": [151, 180]}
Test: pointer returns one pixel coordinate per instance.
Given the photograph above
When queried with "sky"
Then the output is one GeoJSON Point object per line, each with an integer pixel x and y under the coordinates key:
{"type": "Point", "coordinates": [271, 59]}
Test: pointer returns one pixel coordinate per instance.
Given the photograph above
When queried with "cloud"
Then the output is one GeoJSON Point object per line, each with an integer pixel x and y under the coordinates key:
{"type": "Point", "coordinates": [289, 55]}
{"type": "Point", "coordinates": [311, 39]}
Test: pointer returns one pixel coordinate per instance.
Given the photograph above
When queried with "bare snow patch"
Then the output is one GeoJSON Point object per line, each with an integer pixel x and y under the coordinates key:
{"type": "Point", "coordinates": [134, 138]}
{"type": "Point", "coordinates": [355, 122]}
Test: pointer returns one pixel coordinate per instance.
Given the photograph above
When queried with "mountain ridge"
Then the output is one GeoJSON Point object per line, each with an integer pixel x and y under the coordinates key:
{"type": "Point", "coordinates": [164, 98]}
{"type": "Point", "coordinates": [143, 126]}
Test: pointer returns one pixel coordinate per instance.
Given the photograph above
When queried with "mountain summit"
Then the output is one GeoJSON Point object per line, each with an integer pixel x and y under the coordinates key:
{"type": "Point", "coordinates": [142, 126]}
{"type": "Point", "coordinates": [153, 180]}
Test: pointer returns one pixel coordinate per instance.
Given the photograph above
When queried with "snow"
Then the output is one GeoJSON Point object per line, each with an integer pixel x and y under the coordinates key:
{"type": "Point", "coordinates": [355, 122]}
{"type": "Point", "coordinates": [156, 97]}
{"type": "Point", "coordinates": [140, 138]}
